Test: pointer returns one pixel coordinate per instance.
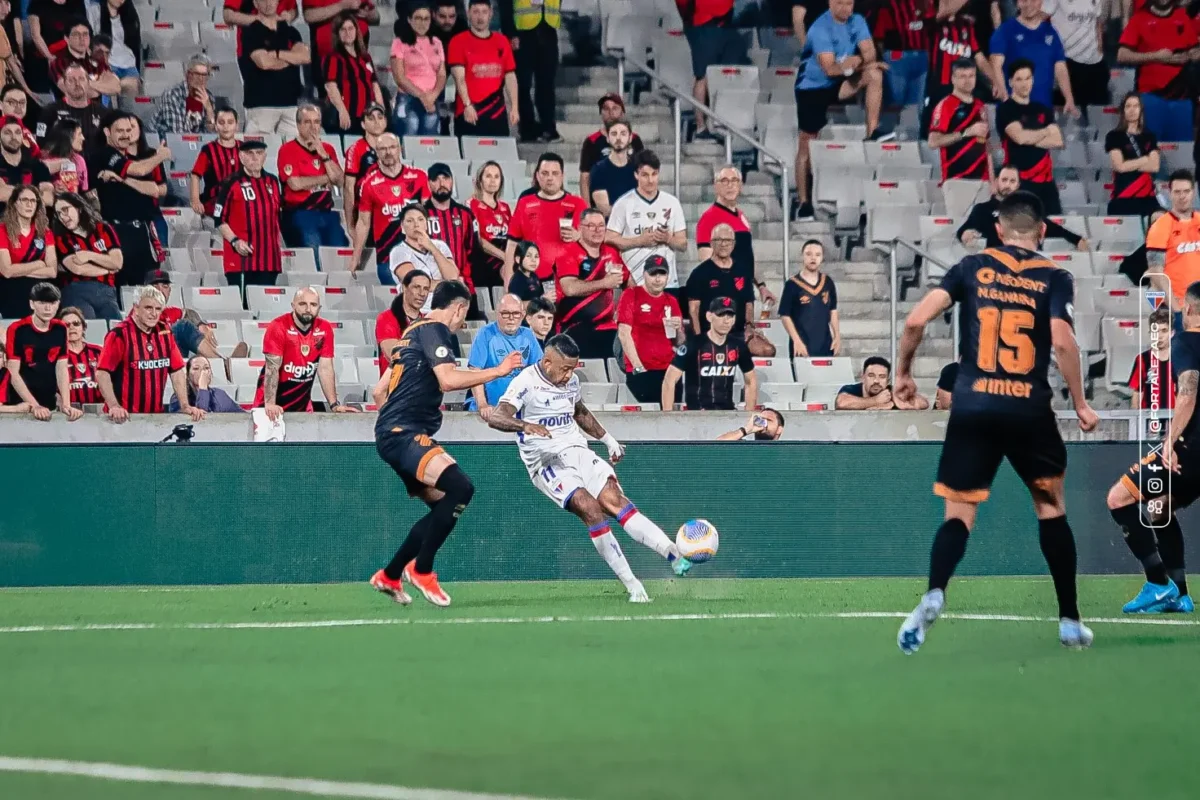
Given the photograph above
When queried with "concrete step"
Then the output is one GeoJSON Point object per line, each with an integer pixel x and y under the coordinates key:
{"type": "Point", "coordinates": [869, 310]}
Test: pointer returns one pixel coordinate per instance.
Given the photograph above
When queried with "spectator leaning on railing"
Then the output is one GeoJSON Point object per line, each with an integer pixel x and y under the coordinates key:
{"type": "Point", "coordinates": [495, 341]}
{"type": "Point", "coordinates": [298, 347]}
{"type": "Point", "coordinates": [37, 357]}
{"type": "Point", "coordinates": [138, 358]}
{"type": "Point", "coordinates": [874, 391]}
{"type": "Point", "coordinates": [83, 358]}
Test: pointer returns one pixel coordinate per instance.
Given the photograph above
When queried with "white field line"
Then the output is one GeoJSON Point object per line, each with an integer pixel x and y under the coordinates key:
{"type": "Point", "coordinates": [234, 780]}
{"type": "Point", "coordinates": [361, 623]}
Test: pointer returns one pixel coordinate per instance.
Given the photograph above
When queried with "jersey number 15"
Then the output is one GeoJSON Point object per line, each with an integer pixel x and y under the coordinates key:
{"type": "Point", "coordinates": [1002, 340]}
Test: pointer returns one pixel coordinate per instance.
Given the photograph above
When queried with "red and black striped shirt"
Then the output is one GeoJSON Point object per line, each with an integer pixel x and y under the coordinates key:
{"type": "Point", "coordinates": [1128, 185]}
{"type": "Point", "coordinates": [103, 240]}
{"type": "Point", "coordinates": [949, 40]}
{"type": "Point", "coordinates": [967, 159]}
{"type": "Point", "coordinates": [82, 365]}
{"type": "Point", "coordinates": [250, 206]}
{"type": "Point", "coordinates": [38, 352]}
{"type": "Point", "coordinates": [140, 363]}
{"type": "Point", "coordinates": [354, 77]}
{"type": "Point", "coordinates": [457, 228]}
{"type": "Point", "coordinates": [590, 312]}
{"type": "Point", "coordinates": [900, 25]}
{"type": "Point", "coordinates": [214, 165]}
{"type": "Point", "coordinates": [1033, 162]}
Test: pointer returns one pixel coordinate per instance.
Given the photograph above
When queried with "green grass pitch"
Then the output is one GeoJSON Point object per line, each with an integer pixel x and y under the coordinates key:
{"type": "Point", "coordinates": [548, 690]}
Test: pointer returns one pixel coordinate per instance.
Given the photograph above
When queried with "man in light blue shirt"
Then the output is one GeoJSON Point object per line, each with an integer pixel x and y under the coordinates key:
{"type": "Point", "coordinates": [1030, 35]}
{"type": "Point", "coordinates": [838, 62]}
{"type": "Point", "coordinates": [495, 341]}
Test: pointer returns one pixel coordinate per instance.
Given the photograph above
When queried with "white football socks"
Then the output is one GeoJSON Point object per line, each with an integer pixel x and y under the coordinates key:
{"type": "Point", "coordinates": [607, 546]}
{"type": "Point", "coordinates": [643, 531]}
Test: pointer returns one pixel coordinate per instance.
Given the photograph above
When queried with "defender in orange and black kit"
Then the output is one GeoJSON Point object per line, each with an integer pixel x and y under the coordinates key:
{"type": "Point", "coordinates": [1016, 310]}
{"type": "Point", "coordinates": [1165, 486]}
{"type": "Point", "coordinates": [410, 397]}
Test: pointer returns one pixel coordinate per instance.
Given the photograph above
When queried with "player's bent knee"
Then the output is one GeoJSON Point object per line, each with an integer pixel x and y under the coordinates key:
{"type": "Point", "coordinates": [586, 507]}
{"type": "Point", "coordinates": [1119, 496]}
{"type": "Point", "coordinates": [961, 511]}
{"type": "Point", "coordinates": [456, 486]}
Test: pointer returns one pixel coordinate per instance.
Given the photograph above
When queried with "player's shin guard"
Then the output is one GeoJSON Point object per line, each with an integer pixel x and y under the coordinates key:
{"type": "Point", "coordinates": [643, 531]}
{"type": "Point", "coordinates": [1170, 548]}
{"type": "Point", "coordinates": [1140, 541]}
{"type": "Point", "coordinates": [607, 546]}
{"type": "Point", "coordinates": [458, 491]}
{"type": "Point", "coordinates": [949, 546]}
{"type": "Point", "coordinates": [1058, 546]}
{"type": "Point", "coordinates": [410, 548]}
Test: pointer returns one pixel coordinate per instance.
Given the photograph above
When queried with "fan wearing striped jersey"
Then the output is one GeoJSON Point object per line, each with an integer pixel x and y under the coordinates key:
{"type": "Point", "coordinates": [543, 407]}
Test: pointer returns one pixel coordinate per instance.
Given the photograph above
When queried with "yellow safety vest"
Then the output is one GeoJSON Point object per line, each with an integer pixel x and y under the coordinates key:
{"type": "Point", "coordinates": [528, 13]}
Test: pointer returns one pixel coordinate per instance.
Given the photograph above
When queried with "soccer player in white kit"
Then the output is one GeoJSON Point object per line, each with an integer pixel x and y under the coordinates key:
{"type": "Point", "coordinates": [543, 407]}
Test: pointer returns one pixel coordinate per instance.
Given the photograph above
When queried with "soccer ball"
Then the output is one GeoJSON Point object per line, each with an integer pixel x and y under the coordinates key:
{"type": "Point", "coordinates": [697, 540]}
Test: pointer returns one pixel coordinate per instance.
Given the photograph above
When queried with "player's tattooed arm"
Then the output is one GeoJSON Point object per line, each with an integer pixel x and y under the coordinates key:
{"type": "Point", "coordinates": [1187, 383]}
{"type": "Point", "coordinates": [1185, 404]}
{"type": "Point", "coordinates": [587, 421]}
{"type": "Point", "coordinates": [504, 418]}
{"type": "Point", "coordinates": [271, 379]}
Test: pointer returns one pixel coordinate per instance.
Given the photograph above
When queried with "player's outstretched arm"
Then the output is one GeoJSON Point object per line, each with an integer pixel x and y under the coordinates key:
{"type": "Point", "coordinates": [1185, 408]}
{"type": "Point", "coordinates": [1066, 352]}
{"type": "Point", "coordinates": [504, 418]}
{"type": "Point", "coordinates": [935, 303]}
{"type": "Point", "coordinates": [451, 378]}
{"type": "Point", "coordinates": [588, 423]}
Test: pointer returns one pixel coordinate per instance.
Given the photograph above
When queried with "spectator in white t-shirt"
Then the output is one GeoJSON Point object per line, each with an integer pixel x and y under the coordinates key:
{"type": "Point", "coordinates": [1080, 25]}
{"type": "Point", "coordinates": [420, 252]}
{"type": "Point", "coordinates": [648, 222]}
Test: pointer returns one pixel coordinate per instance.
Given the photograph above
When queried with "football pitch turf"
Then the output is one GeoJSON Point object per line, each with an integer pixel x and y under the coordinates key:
{"type": "Point", "coordinates": [718, 689]}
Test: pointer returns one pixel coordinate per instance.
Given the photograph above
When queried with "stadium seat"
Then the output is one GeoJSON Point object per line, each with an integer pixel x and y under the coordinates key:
{"type": "Point", "coordinates": [246, 370]}
{"type": "Point", "coordinates": [337, 259]}
{"type": "Point", "coordinates": [299, 279]}
{"type": "Point", "coordinates": [95, 332]}
{"type": "Point", "coordinates": [382, 296]}
{"type": "Point", "coordinates": [1122, 345]}
{"type": "Point", "coordinates": [350, 333]}
{"type": "Point", "coordinates": [673, 59]}
{"type": "Point", "coordinates": [824, 394]}
{"type": "Point", "coordinates": [591, 371]}
{"type": "Point", "coordinates": [729, 77]}
{"type": "Point", "coordinates": [214, 298]}
{"type": "Point", "coordinates": [629, 34]}
{"type": "Point", "coordinates": [144, 108]}
{"type": "Point", "coordinates": [767, 115]}
{"type": "Point", "coordinates": [1114, 229]}
{"type": "Point", "coordinates": [185, 12]}
{"type": "Point", "coordinates": [1118, 302]}
{"type": "Point", "coordinates": [159, 76]}
{"type": "Point", "coordinates": [616, 372]}
{"type": "Point", "coordinates": [268, 302]}
{"type": "Point", "coordinates": [781, 79]}
{"type": "Point", "coordinates": [246, 392]}
{"type": "Point", "coordinates": [1087, 331]}
{"type": "Point", "coordinates": [819, 371]}
{"type": "Point", "coordinates": [169, 40]}
{"type": "Point", "coordinates": [1079, 264]}
{"type": "Point", "coordinates": [774, 332]}
{"type": "Point", "coordinates": [181, 220]}
{"type": "Point", "coordinates": [1107, 263]}
{"type": "Point", "coordinates": [596, 395]}
{"type": "Point", "coordinates": [774, 370]}
{"type": "Point", "coordinates": [826, 153]}
{"type": "Point", "coordinates": [477, 149]}
{"type": "Point", "coordinates": [738, 106]}
{"type": "Point", "coordinates": [431, 148]}
{"type": "Point", "coordinates": [893, 153]}
{"type": "Point", "coordinates": [1175, 155]}
{"type": "Point", "coordinates": [786, 394]}
{"type": "Point", "coordinates": [301, 259]}
{"type": "Point", "coordinates": [251, 331]}
{"type": "Point", "coordinates": [185, 149]}
{"type": "Point", "coordinates": [219, 41]}
{"type": "Point", "coordinates": [937, 227]}
{"type": "Point", "coordinates": [345, 298]}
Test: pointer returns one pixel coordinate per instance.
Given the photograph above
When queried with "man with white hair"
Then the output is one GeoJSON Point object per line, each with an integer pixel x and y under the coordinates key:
{"type": "Point", "coordinates": [727, 186]}
{"type": "Point", "coordinates": [493, 343]}
{"type": "Point", "coordinates": [189, 106]}
{"type": "Point", "coordinates": [139, 356]}
{"type": "Point", "coordinates": [298, 347]}
{"type": "Point", "coordinates": [718, 277]}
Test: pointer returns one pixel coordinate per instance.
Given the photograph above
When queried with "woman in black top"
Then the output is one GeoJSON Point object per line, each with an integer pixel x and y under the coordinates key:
{"type": "Point", "coordinates": [141, 149]}
{"type": "Point", "coordinates": [1133, 151]}
{"type": "Point", "coordinates": [524, 282]}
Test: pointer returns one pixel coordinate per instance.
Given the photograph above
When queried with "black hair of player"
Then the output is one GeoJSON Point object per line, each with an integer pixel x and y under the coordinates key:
{"type": "Point", "coordinates": [227, 110]}
{"type": "Point", "coordinates": [1192, 297]}
{"type": "Point", "coordinates": [1019, 64]}
{"type": "Point", "coordinates": [877, 361]}
{"type": "Point", "coordinates": [1021, 212]}
{"type": "Point", "coordinates": [962, 63]}
{"type": "Point", "coordinates": [564, 344]}
{"type": "Point", "coordinates": [1182, 175]}
{"type": "Point", "coordinates": [646, 158]}
{"type": "Point", "coordinates": [537, 305]}
{"type": "Point", "coordinates": [551, 158]}
{"type": "Point", "coordinates": [447, 293]}
{"type": "Point", "coordinates": [410, 208]}
{"type": "Point", "coordinates": [45, 293]}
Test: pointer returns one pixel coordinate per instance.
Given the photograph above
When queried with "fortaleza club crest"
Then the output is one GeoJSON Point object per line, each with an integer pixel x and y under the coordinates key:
{"type": "Point", "coordinates": [1155, 299]}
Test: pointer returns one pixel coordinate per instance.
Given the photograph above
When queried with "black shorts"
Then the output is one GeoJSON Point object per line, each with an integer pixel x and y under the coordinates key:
{"type": "Point", "coordinates": [408, 454]}
{"type": "Point", "coordinates": [1133, 206]}
{"type": "Point", "coordinates": [1149, 480]}
{"type": "Point", "coordinates": [496, 127]}
{"type": "Point", "coordinates": [1089, 84]}
{"type": "Point", "coordinates": [1046, 192]}
{"type": "Point", "coordinates": [714, 44]}
{"type": "Point", "coordinates": [812, 106]}
{"type": "Point", "coordinates": [977, 443]}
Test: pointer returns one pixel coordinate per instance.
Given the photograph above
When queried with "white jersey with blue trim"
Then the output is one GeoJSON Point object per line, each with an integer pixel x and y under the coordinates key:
{"type": "Point", "coordinates": [540, 402]}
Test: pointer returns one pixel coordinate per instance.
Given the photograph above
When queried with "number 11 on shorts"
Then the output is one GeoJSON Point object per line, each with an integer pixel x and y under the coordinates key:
{"type": "Point", "coordinates": [1155, 410]}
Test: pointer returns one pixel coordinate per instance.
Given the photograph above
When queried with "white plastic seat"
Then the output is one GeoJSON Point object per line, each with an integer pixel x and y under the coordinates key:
{"type": "Point", "coordinates": [219, 41]}
{"type": "Point", "coordinates": [431, 148]}
{"type": "Point", "coordinates": [345, 298]}
{"type": "Point", "coordinates": [893, 153]}
{"type": "Point", "coordinates": [268, 302]}
{"type": "Point", "coordinates": [168, 40]}
{"type": "Point", "coordinates": [382, 297]}
{"type": "Point", "coordinates": [301, 259]}
{"type": "Point", "coordinates": [1121, 303]}
{"type": "Point", "coordinates": [934, 227]}
{"type": "Point", "coordinates": [591, 371]}
{"type": "Point", "coordinates": [245, 371]}
{"type": "Point", "coordinates": [598, 394]}
{"type": "Point", "coordinates": [1079, 264]}
{"type": "Point", "coordinates": [673, 59]}
{"type": "Point", "coordinates": [824, 394]}
{"type": "Point", "coordinates": [252, 331]}
{"type": "Point", "coordinates": [214, 298]}
{"type": "Point", "coordinates": [349, 333]}
{"type": "Point", "coordinates": [731, 77]}
{"type": "Point", "coordinates": [774, 370]}
{"type": "Point", "coordinates": [787, 394]}
{"type": "Point", "coordinates": [478, 149]}
{"type": "Point", "coordinates": [630, 34]}
{"type": "Point", "coordinates": [812, 372]}
{"type": "Point", "coordinates": [1114, 229]}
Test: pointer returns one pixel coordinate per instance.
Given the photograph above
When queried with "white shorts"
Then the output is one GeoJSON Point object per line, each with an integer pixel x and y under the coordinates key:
{"type": "Point", "coordinates": [571, 470]}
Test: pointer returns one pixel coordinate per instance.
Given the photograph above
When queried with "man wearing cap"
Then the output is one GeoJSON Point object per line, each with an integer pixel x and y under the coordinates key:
{"type": "Point", "coordinates": [649, 325]}
{"type": "Point", "coordinates": [708, 364]}
{"type": "Point", "coordinates": [360, 157]}
{"type": "Point", "coordinates": [248, 219]}
{"type": "Point", "coordinates": [585, 275]}
{"type": "Point", "coordinates": [453, 223]}
{"type": "Point", "coordinates": [613, 177]}
{"type": "Point", "coordinates": [596, 146]}
{"type": "Point", "coordinates": [17, 167]}
{"type": "Point", "coordinates": [193, 335]}
{"type": "Point", "coordinates": [309, 170]}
